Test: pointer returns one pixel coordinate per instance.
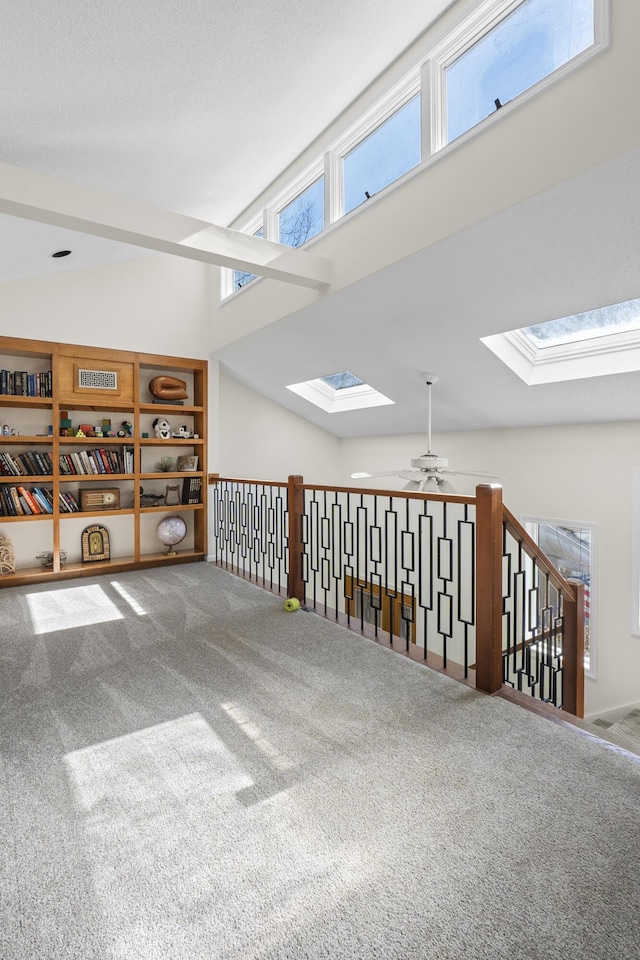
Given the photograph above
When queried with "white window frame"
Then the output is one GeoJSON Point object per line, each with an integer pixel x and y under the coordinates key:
{"type": "Point", "coordinates": [471, 28]}
{"type": "Point", "coordinates": [382, 110]}
{"type": "Point", "coordinates": [290, 193]}
{"type": "Point", "coordinates": [227, 286]}
{"type": "Point", "coordinates": [530, 522]}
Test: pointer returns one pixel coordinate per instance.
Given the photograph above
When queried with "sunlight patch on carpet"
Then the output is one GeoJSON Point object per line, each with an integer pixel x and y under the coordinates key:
{"type": "Point", "coordinates": [255, 734]}
{"type": "Point", "coordinates": [146, 772]}
{"type": "Point", "coordinates": [64, 609]}
{"type": "Point", "coordinates": [131, 600]}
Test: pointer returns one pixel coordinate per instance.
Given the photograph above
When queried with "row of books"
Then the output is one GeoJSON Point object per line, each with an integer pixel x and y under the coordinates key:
{"type": "Point", "coordinates": [30, 464]}
{"type": "Point", "coordinates": [19, 383]}
{"type": "Point", "coordinates": [20, 501]}
{"type": "Point", "coordinates": [97, 461]}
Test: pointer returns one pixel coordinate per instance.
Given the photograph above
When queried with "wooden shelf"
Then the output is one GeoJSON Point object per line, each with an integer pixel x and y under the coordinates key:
{"type": "Point", "coordinates": [172, 506]}
{"type": "Point", "coordinates": [95, 441]}
{"type": "Point", "coordinates": [26, 439]}
{"type": "Point", "coordinates": [173, 442]}
{"type": "Point", "coordinates": [21, 480]}
{"type": "Point", "coordinates": [93, 477]}
{"type": "Point", "coordinates": [171, 475]}
{"type": "Point", "coordinates": [104, 406]}
{"type": "Point", "coordinates": [9, 400]}
{"type": "Point", "coordinates": [167, 408]}
{"type": "Point", "coordinates": [26, 516]}
{"type": "Point", "coordinates": [133, 371]}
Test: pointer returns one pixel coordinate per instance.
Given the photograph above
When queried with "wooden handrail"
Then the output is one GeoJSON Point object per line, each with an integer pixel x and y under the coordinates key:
{"type": "Point", "coordinates": [532, 550]}
{"type": "Point", "coordinates": [213, 478]}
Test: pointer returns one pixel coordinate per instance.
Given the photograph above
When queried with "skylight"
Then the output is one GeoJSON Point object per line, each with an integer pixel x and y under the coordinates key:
{"type": "Point", "coordinates": [342, 381]}
{"type": "Point", "coordinates": [616, 318]}
{"type": "Point", "coordinates": [591, 344]}
{"type": "Point", "coordinates": [339, 392]}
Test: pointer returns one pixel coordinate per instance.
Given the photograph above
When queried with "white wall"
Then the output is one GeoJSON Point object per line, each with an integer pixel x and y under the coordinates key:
{"type": "Point", "coordinates": [261, 440]}
{"type": "Point", "coordinates": [580, 473]}
{"type": "Point", "coordinates": [158, 304]}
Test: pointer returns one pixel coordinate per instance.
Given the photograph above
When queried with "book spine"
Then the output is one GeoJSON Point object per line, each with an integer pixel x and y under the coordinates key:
{"type": "Point", "coordinates": [13, 467]}
{"type": "Point", "coordinates": [31, 501]}
{"type": "Point", "coordinates": [42, 500]}
{"type": "Point", "coordinates": [9, 509]}
{"type": "Point", "coordinates": [16, 501]}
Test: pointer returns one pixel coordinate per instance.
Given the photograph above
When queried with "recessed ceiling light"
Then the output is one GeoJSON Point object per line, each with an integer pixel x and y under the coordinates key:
{"type": "Point", "coordinates": [61, 253]}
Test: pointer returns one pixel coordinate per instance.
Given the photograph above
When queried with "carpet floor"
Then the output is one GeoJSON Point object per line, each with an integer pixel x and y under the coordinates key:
{"type": "Point", "coordinates": [187, 771]}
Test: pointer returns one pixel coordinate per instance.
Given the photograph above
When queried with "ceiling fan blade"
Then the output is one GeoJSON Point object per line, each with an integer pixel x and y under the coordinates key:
{"type": "Point", "coordinates": [367, 476]}
{"type": "Point", "coordinates": [417, 475]}
{"type": "Point", "coordinates": [466, 473]}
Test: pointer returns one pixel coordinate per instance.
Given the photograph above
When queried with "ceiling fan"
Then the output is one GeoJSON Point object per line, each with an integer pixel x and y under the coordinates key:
{"type": "Point", "coordinates": [427, 473]}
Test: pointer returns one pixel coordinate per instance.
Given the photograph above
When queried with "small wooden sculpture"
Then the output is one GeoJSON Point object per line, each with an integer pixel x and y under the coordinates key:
{"type": "Point", "coordinates": [168, 388]}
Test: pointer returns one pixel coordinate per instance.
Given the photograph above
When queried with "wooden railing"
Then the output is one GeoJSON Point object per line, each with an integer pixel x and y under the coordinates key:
{"type": "Point", "coordinates": [454, 581]}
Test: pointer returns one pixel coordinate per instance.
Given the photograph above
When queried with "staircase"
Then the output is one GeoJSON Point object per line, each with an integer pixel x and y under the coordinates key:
{"type": "Point", "coordinates": [623, 733]}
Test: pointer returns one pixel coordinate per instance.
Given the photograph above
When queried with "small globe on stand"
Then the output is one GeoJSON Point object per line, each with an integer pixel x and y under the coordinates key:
{"type": "Point", "coordinates": [170, 531]}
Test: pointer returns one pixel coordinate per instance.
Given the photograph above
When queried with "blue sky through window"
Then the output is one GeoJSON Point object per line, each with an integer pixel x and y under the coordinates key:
{"type": "Point", "coordinates": [384, 156]}
{"type": "Point", "coordinates": [529, 44]}
{"type": "Point", "coordinates": [303, 217]}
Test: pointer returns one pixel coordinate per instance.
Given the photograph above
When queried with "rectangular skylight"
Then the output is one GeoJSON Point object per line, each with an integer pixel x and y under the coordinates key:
{"type": "Point", "coordinates": [339, 392]}
{"type": "Point", "coordinates": [602, 341]}
{"type": "Point", "coordinates": [616, 318]}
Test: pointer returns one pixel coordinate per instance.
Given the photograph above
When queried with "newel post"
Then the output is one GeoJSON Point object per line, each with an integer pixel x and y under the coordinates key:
{"type": "Point", "coordinates": [489, 587]}
{"type": "Point", "coordinates": [573, 652]}
{"type": "Point", "coordinates": [295, 505]}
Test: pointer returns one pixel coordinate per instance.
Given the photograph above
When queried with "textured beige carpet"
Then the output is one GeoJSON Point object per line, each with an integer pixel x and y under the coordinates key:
{"type": "Point", "coordinates": [197, 774]}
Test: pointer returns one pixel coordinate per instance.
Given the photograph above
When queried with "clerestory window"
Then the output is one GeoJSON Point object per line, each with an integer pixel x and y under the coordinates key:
{"type": "Point", "coordinates": [303, 217]}
{"type": "Point", "coordinates": [538, 37]}
{"type": "Point", "coordinates": [384, 156]}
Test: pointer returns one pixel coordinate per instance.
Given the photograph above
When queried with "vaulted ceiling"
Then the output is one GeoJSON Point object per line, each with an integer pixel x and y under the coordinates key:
{"type": "Point", "coordinates": [192, 107]}
{"type": "Point", "coordinates": [196, 108]}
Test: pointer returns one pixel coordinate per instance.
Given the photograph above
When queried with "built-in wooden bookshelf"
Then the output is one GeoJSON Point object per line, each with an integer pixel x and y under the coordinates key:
{"type": "Point", "coordinates": [87, 386]}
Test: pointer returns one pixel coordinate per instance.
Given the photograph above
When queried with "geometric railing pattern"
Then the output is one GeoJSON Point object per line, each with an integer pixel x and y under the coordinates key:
{"type": "Point", "coordinates": [454, 581]}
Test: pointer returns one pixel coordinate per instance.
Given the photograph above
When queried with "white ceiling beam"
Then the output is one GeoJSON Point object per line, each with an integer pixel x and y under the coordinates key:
{"type": "Point", "coordinates": [46, 199]}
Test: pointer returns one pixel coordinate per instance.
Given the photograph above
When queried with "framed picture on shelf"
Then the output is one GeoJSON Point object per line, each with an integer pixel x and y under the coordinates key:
{"type": "Point", "coordinates": [95, 544]}
{"type": "Point", "coordinates": [187, 463]}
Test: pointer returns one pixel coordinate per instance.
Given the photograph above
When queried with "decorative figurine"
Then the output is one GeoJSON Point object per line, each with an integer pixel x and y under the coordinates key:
{"type": "Point", "coordinates": [162, 428]}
